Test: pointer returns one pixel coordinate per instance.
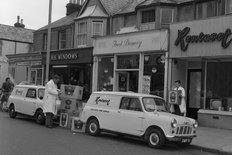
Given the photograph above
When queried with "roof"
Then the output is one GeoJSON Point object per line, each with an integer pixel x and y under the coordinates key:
{"type": "Point", "coordinates": [150, 2]}
{"type": "Point", "coordinates": [30, 86]}
{"type": "Point", "coordinates": [125, 94]}
{"type": "Point", "coordinates": [16, 33]}
{"type": "Point", "coordinates": [92, 11]}
{"type": "Point", "coordinates": [114, 6]}
{"type": "Point", "coordinates": [67, 20]}
{"type": "Point", "coordinates": [130, 7]}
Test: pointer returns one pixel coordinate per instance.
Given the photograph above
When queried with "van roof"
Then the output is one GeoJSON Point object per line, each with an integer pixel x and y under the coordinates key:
{"type": "Point", "coordinates": [30, 86]}
{"type": "Point", "coordinates": [125, 94]}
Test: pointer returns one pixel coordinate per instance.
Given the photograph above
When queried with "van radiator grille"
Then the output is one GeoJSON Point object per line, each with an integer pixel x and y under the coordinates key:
{"type": "Point", "coordinates": [183, 130]}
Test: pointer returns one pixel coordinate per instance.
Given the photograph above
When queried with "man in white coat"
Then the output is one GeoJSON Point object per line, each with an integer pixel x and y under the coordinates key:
{"type": "Point", "coordinates": [50, 97]}
{"type": "Point", "coordinates": [181, 108]}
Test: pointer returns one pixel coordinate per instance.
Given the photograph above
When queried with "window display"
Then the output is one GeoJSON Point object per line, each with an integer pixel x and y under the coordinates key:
{"type": "Point", "coordinates": [105, 73]}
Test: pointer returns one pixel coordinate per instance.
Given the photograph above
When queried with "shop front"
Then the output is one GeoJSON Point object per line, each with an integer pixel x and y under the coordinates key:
{"type": "Point", "coordinates": [131, 62]}
{"type": "Point", "coordinates": [74, 67]}
{"type": "Point", "coordinates": [26, 68]}
{"type": "Point", "coordinates": [201, 57]}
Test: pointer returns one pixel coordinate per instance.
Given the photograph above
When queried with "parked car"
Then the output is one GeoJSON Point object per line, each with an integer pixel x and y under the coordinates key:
{"type": "Point", "coordinates": [140, 115]}
{"type": "Point", "coordinates": [27, 100]}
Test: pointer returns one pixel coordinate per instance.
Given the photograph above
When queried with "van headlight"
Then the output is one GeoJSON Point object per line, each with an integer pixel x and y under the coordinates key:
{"type": "Point", "coordinates": [173, 123]}
{"type": "Point", "coordinates": [195, 125]}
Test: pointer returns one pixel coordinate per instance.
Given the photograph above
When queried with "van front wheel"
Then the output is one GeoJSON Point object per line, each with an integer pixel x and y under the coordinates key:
{"type": "Point", "coordinates": [93, 127]}
{"type": "Point", "coordinates": [156, 138]}
{"type": "Point", "coordinates": [12, 112]}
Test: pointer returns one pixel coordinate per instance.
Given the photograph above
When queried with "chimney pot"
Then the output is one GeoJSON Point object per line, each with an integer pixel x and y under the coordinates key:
{"type": "Point", "coordinates": [21, 21]}
{"type": "Point", "coordinates": [18, 18]}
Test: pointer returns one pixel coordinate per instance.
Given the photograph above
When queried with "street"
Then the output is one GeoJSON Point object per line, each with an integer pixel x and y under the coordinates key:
{"type": "Point", "coordinates": [22, 136]}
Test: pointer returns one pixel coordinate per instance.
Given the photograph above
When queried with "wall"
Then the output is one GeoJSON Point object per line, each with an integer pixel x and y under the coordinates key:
{"type": "Point", "coordinates": [179, 72]}
{"type": "Point", "coordinates": [38, 41]}
{"type": "Point", "coordinates": [185, 13]}
{"type": "Point", "coordinates": [20, 74]}
{"type": "Point", "coordinates": [22, 48]}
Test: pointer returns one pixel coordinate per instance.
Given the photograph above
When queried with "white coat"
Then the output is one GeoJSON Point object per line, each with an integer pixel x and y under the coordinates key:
{"type": "Point", "coordinates": [50, 97]}
{"type": "Point", "coordinates": [182, 105]}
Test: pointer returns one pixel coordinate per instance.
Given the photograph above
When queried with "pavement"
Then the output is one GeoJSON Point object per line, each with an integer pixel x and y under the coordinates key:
{"type": "Point", "coordinates": [214, 140]}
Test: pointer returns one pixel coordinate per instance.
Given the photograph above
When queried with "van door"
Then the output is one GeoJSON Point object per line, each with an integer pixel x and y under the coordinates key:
{"type": "Point", "coordinates": [29, 106]}
{"type": "Point", "coordinates": [130, 116]}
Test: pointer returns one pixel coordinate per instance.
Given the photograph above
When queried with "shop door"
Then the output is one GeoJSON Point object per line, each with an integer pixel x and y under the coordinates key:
{"type": "Point", "coordinates": [194, 92]}
{"type": "Point", "coordinates": [128, 81]}
{"type": "Point", "coordinates": [33, 76]}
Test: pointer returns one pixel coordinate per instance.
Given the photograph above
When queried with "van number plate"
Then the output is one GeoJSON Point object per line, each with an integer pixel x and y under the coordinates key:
{"type": "Point", "coordinates": [187, 140]}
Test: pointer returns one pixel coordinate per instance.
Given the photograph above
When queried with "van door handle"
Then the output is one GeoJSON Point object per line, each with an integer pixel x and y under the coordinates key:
{"type": "Point", "coordinates": [119, 112]}
{"type": "Point", "coordinates": [34, 102]}
{"type": "Point", "coordinates": [142, 117]}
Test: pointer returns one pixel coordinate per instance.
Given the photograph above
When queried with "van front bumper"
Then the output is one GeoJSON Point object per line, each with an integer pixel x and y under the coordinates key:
{"type": "Point", "coordinates": [179, 138]}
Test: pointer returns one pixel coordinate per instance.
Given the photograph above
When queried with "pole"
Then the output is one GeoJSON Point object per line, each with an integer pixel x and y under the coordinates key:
{"type": "Point", "coordinates": [48, 41]}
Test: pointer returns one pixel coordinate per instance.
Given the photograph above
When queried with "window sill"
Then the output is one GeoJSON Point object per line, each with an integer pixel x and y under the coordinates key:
{"type": "Point", "coordinates": [204, 111]}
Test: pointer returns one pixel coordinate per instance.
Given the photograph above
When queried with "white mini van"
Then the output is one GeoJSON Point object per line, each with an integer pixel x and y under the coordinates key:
{"type": "Point", "coordinates": [27, 100]}
{"type": "Point", "coordinates": [139, 115]}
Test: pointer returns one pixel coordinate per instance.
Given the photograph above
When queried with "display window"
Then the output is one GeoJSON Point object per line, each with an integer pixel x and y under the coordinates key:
{"type": "Point", "coordinates": [218, 86]}
{"type": "Point", "coordinates": [153, 75]}
{"type": "Point", "coordinates": [105, 73]}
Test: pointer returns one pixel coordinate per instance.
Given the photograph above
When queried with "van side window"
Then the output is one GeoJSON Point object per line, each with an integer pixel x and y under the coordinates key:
{"type": "Point", "coordinates": [135, 105]}
{"type": "Point", "coordinates": [130, 104]}
{"type": "Point", "coordinates": [31, 93]}
{"type": "Point", "coordinates": [124, 103]}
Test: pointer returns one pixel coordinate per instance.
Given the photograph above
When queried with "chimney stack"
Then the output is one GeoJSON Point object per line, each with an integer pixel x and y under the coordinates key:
{"type": "Point", "coordinates": [18, 24]}
{"type": "Point", "coordinates": [73, 6]}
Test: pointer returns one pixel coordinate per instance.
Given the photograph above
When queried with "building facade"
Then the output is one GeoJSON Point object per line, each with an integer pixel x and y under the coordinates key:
{"type": "Point", "coordinates": [200, 56]}
{"type": "Point", "coordinates": [14, 41]}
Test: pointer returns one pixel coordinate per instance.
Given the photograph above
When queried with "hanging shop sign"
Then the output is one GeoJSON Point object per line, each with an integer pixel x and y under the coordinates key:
{"type": "Point", "coordinates": [184, 38]}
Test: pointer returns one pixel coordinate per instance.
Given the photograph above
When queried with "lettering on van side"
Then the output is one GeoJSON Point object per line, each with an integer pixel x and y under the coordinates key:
{"type": "Point", "coordinates": [99, 110]}
{"type": "Point", "coordinates": [99, 99]}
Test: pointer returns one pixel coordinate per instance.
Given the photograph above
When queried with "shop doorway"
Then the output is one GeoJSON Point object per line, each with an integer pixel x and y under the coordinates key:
{"type": "Point", "coordinates": [128, 81]}
{"type": "Point", "coordinates": [193, 92]}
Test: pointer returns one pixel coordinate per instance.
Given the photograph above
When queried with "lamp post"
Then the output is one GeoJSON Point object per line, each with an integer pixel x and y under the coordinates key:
{"type": "Point", "coordinates": [48, 41]}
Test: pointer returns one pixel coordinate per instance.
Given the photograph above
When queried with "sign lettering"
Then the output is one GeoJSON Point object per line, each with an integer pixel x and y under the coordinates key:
{"type": "Point", "coordinates": [184, 39]}
{"type": "Point", "coordinates": [65, 56]}
{"type": "Point", "coordinates": [127, 43]}
{"type": "Point", "coordinates": [99, 99]}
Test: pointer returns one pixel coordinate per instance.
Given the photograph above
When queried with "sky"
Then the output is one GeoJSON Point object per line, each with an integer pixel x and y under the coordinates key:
{"type": "Point", "coordinates": [33, 12]}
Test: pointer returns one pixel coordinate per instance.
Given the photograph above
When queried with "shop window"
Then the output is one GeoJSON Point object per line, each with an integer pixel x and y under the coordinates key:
{"type": "Point", "coordinates": [205, 10]}
{"type": "Point", "coordinates": [82, 34]}
{"type": "Point", "coordinates": [219, 93]}
{"type": "Point", "coordinates": [166, 15]}
{"type": "Point", "coordinates": [148, 16]}
{"type": "Point", "coordinates": [62, 39]}
{"type": "Point", "coordinates": [128, 62]}
{"type": "Point", "coordinates": [228, 5]}
{"type": "Point", "coordinates": [45, 41]}
{"type": "Point", "coordinates": [153, 76]}
{"type": "Point", "coordinates": [105, 73]}
{"type": "Point", "coordinates": [97, 29]}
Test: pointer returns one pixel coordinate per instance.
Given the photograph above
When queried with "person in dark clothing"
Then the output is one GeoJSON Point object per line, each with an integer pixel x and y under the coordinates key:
{"type": "Point", "coordinates": [7, 87]}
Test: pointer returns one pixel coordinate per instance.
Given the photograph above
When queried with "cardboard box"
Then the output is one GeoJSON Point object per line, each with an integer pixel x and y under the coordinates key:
{"type": "Point", "coordinates": [70, 91]}
{"type": "Point", "coordinates": [77, 125]}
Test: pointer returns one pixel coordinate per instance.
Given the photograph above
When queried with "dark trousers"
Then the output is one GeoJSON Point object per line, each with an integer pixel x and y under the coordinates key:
{"type": "Point", "coordinates": [177, 110]}
{"type": "Point", "coordinates": [49, 119]}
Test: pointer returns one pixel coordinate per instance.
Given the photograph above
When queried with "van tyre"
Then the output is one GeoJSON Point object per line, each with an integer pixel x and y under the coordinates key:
{"type": "Point", "coordinates": [12, 112]}
{"type": "Point", "coordinates": [93, 127]}
{"type": "Point", "coordinates": [155, 138]}
{"type": "Point", "coordinates": [39, 117]}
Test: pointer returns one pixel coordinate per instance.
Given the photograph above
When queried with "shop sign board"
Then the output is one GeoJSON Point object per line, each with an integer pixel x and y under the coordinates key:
{"type": "Point", "coordinates": [209, 37]}
{"type": "Point", "coordinates": [153, 40]}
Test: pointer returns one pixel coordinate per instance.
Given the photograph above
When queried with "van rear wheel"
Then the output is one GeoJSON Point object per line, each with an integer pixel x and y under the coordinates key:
{"type": "Point", "coordinates": [39, 117]}
{"type": "Point", "coordinates": [12, 112]}
{"type": "Point", "coordinates": [93, 127]}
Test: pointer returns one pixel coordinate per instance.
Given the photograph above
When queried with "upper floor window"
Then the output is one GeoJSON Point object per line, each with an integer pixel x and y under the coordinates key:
{"type": "Point", "coordinates": [186, 13]}
{"type": "Point", "coordinates": [130, 20]}
{"type": "Point", "coordinates": [148, 16]}
{"type": "Point", "coordinates": [82, 33]}
{"type": "Point", "coordinates": [62, 39]}
{"type": "Point", "coordinates": [45, 41]}
{"type": "Point", "coordinates": [97, 29]}
{"type": "Point", "coordinates": [207, 9]}
{"type": "Point", "coordinates": [228, 6]}
{"type": "Point", "coordinates": [166, 15]}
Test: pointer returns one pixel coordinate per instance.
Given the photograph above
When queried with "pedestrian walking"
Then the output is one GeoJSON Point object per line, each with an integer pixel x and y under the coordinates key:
{"type": "Point", "coordinates": [6, 89]}
{"type": "Point", "coordinates": [179, 109]}
{"type": "Point", "coordinates": [51, 96]}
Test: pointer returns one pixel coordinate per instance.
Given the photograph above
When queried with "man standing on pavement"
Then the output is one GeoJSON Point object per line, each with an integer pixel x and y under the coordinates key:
{"type": "Point", "coordinates": [179, 109]}
{"type": "Point", "coordinates": [50, 97]}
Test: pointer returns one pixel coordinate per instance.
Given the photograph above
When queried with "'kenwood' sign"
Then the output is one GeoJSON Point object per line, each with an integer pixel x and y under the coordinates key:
{"type": "Point", "coordinates": [184, 39]}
